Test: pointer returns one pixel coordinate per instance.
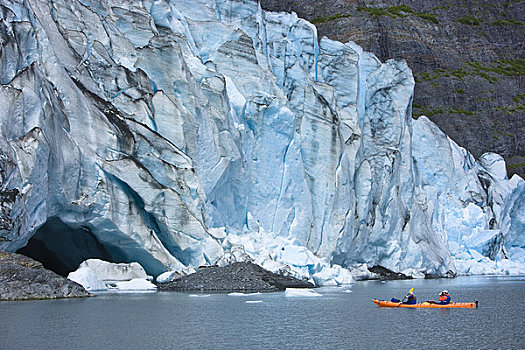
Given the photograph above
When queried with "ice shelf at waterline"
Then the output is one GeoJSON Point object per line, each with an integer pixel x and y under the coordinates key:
{"type": "Point", "coordinates": [185, 133]}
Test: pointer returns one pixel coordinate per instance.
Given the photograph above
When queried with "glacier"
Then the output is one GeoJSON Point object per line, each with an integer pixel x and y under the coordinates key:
{"type": "Point", "coordinates": [185, 133]}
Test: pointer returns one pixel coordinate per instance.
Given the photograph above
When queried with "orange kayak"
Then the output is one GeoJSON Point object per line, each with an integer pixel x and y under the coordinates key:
{"type": "Point", "coordinates": [386, 303]}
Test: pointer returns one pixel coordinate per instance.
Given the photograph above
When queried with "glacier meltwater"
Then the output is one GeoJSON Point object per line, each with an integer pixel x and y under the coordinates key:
{"type": "Point", "coordinates": [196, 132]}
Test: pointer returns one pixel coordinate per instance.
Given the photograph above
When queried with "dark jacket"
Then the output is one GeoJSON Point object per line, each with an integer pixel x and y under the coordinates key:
{"type": "Point", "coordinates": [411, 299]}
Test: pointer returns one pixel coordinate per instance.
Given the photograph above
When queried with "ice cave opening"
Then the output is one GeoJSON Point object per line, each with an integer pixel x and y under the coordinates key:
{"type": "Point", "coordinates": [61, 248]}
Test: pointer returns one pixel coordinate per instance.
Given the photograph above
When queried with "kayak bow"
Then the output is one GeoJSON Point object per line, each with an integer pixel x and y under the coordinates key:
{"type": "Point", "coordinates": [386, 303]}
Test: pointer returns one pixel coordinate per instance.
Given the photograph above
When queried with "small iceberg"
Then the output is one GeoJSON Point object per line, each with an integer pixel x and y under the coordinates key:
{"type": "Point", "coordinates": [253, 301]}
{"type": "Point", "coordinates": [88, 279]}
{"type": "Point", "coordinates": [97, 276]}
{"type": "Point", "coordinates": [237, 294]}
{"type": "Point", "coordinates": [199, 295]}
{"type": "Point", "coordinates": [136, 285]}
{"type": "Point", "coordinates": [301, 292]}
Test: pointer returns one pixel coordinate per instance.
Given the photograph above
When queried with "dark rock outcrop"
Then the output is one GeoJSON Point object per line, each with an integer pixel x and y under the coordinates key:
{"type": "Point", "coordinates": [237, 277]}
{"type": "Point", "coordinates": [386, 274]}
{"type": "Point", "coordinates": [22, 278]}
{"type": "Point", "coordinates": [467, 59]}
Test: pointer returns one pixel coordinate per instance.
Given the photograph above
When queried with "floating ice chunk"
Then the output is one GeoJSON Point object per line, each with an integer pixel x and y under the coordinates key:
{"type": "Point", "coordinates": [299, 292]}
{"type": "Point", "coordinates": [199, 295]}
{"type": "Point", "coordinates": [136, 284]}
{"type": "Point", "coordinates": [88, 279]}
{"type": "Point", "coordinates": [108, 271]}
{"type": "Point", "coordinates": [253, 301]}
{"type": "Point", "coordinates": [98, 274]}
{"type": "Point", "coordinates": [347, 291]}
{"type": "Point", "coordinates": [236, 294]}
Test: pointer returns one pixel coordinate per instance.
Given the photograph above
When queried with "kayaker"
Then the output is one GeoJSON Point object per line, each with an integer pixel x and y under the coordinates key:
{"type": "Point", "coordinates": [410, 298]}
{"type": "Point", "coordinates": [444, 298]}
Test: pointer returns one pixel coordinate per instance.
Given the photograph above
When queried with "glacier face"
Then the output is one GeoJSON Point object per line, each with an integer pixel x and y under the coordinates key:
{"type": "Point", "coordinates": [191, 132]}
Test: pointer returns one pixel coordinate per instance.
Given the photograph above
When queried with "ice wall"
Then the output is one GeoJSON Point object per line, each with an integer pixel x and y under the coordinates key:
{"type": "Point", "coordinates": [191, 132]}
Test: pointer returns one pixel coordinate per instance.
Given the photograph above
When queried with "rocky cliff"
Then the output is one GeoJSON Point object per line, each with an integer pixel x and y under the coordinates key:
{"type": "Point", "coordinates": [22, 278]}
{"type": "Point", "coordinates": [467, 58]}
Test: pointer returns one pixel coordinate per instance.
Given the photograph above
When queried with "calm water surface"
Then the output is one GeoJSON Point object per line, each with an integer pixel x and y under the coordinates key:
{"type": "Point", "coordinates": [338, 320]}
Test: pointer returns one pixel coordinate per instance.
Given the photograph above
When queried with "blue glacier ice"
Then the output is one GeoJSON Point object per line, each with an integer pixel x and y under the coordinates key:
{"type": "Point", "coordinates": [194, 132]}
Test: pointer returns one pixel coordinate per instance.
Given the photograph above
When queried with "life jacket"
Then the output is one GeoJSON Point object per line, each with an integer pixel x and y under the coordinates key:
{"type": "Point", "coordinates": [444, 299]}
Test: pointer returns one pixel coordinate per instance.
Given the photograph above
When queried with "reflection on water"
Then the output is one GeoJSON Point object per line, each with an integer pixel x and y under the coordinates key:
{"type": "Point", "coordinates": [338, 320]}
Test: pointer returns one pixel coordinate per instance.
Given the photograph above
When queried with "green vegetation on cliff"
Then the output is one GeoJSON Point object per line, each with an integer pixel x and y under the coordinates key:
{"type": "Point", "coordinates": [469, 20]}
{"type": "Point", "coordinates": [515, 67]}
{"type": "Point", "coordinates": [504, 22]}
{"type": "Point", "coordinates": [396, 11]}
{"type": "Point", "coordinates": [328, 19]}
{"type": "Point", "coordinates": [474, 68]}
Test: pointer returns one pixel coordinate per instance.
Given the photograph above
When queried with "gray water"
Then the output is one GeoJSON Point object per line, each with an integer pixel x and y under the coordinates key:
{"type": "Point", "coordinates": [338, 320]}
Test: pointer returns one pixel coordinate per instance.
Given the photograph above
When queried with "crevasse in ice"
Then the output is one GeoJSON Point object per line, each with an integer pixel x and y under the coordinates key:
{"type": "Point", "coordinates": [192, 132]}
